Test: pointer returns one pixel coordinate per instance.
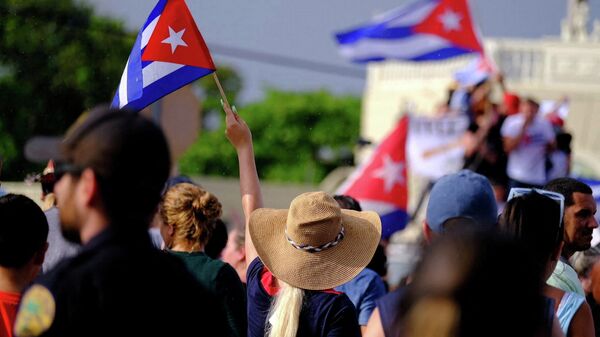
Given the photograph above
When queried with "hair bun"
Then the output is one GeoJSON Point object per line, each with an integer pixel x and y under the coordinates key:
{"type": "Point", "coordinates": [207, 206]}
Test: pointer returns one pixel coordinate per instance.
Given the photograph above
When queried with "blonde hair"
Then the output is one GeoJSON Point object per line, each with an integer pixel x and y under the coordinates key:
{"type": "Point", "coordinates": [191, 211]}
{"type": "Point", "coordinates": [284, 316]}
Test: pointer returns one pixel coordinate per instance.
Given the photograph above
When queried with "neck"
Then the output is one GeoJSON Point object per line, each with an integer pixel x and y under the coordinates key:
{"type": "Point", "coordinates": [95, 224]}
{"type": "Point", "coordinates": [567, 253]}
{"type": "Point", "coordinates": [14, 280]}
{"type": "Point", "coordinates": [187, 247]}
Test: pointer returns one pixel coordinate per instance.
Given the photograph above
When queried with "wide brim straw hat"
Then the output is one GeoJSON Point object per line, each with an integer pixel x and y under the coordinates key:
{"type": "Point", "coordinates": [314, 244]}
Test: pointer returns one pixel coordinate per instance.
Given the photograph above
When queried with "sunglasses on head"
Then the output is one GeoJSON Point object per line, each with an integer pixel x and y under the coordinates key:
{"type": "Point", "coordinates": [559, 198]}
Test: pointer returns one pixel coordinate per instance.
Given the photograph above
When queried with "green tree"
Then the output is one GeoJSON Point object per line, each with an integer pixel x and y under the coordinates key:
{"type": "Point", "coordinates": [57, 60]}
{"type": "Point", "coordinates": [290, 130]}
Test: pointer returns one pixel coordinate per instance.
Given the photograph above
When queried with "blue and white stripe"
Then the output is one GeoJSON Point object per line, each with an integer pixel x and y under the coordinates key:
{"type": "Point", "coordinates": [391, 36]}
{"type": "Point", "coordinates": [143, 83]}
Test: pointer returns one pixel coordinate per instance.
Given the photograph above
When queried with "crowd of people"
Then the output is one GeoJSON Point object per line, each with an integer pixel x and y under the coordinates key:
{"type": "Point", "coordinates": [123, 250]}
{"type": "Point", "coordinates": [511, 142]}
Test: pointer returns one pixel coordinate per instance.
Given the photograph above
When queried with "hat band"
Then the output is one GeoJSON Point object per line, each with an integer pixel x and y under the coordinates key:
{"type": "Point", "coordinates": [313, 249]}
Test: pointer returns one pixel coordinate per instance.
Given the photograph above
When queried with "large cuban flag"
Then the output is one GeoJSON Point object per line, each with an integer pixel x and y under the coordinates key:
{"type": "Point", "coordinates": [169, 52]}
{"type": "Point", "coordinates": [424, 30]}
{"type": "Point", "coordinates": [380, 184]}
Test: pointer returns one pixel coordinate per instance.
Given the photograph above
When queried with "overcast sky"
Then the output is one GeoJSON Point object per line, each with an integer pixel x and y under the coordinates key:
{"type": "Point", "coordinates": [304, 29]}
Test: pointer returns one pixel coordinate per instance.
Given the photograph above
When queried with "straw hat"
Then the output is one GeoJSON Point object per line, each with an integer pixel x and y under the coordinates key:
{"type": "Point", "coordinates": [315, 245]}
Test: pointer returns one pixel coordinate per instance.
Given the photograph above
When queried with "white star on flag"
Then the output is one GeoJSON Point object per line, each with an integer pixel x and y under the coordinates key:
{"type": "Point", "coordinates": [175, 39]}
{"type": "Point", "coordinates": [390, 172]}
{"type": "Point", "coordinates": [450, 20]}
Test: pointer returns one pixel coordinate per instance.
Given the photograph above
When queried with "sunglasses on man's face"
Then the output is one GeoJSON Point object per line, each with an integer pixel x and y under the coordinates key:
{"type": "Point", "coordinates": [62, 168]}
{"type": "Point", "coordinates": [559, 198]}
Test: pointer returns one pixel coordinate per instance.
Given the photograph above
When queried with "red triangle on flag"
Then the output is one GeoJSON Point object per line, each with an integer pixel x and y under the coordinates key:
{"type": "Point", "coordinates": [451, 20]}
{"type": "Point", "coordinates": [384, 176]}
{"type": "Point", "coordinates": [176, 39]}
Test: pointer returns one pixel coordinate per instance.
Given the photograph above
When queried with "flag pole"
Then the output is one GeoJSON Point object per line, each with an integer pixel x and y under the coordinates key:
{"type": "Point", "coordinates": [223, 96]}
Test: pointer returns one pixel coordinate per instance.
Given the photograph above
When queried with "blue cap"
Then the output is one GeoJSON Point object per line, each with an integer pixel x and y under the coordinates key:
{"type": "Point", "coordinates": [464, 194]}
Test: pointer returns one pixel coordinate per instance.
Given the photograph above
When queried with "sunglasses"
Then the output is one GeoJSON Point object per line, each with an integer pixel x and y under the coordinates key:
{"type": "Point", "coordinates": [62, 168]}
{"type": "Point", "coordinates": [559, 198]}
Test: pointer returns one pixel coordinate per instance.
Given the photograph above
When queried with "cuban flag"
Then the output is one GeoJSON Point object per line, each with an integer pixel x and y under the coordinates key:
{"type": "Point", "coordinates": [479, 69]}
{"type": "Point", "coordinates": [169, 53]}
{"type": "Point", "coordinates": [425, 30]}
{"type": "Point", "coordinates": [380, 184]}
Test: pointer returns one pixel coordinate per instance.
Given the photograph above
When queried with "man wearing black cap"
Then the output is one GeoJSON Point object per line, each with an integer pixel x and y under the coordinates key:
{"type": "Point", "coordinates": [114, 166]}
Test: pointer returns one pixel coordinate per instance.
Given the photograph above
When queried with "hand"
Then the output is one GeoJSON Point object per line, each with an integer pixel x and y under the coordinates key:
{"type": "Point", "coordinates": [237, 131]}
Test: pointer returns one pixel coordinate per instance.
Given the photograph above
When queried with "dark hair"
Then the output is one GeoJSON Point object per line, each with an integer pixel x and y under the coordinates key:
{"type": "Point", "coordinates": [217, 240]}
{"type": "Point", "coordinates": [23, 230]}
{"type": "Point", "coordinates": [130, 157]}
{"type": "Point", "coordinates": [532, 101]}
{"type": "Point", "coordinates": [461, 268]}
{"type": "Point", "coordinates": [534, 219]}
{"type": "Point", "coordinates": [347, 202]}
{"type": "Point", "coordinates": [567, 186]}
{"type": "Point", "coordinates": [47, 181]}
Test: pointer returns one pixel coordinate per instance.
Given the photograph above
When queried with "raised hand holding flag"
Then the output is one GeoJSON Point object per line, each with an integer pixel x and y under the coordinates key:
{"type": "Point", "coordinates": [169, 53]}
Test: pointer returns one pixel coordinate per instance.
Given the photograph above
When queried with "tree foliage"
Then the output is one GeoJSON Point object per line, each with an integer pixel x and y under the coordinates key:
{"type": "Point", "coordinates": [291, 132]}
{"type": "Point", "coordinates": [57, 60]}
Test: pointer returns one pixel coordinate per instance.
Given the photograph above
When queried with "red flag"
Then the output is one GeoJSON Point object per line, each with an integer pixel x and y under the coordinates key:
{"type": "Point", "coordinates": [381, 182]}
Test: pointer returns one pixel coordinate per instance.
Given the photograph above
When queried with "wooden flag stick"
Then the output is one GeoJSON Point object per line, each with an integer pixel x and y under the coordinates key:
{"type": "Point", "coordinates": [220, 89]}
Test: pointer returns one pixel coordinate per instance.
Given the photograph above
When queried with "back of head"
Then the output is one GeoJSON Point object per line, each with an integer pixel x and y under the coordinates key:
{"type": "Point", "coordinates": [567, 186]}
{"type": "Point", "coordinates": [534, 219]}
{"type": "Point", "coordinates": [130, 158]}
{"type": "Point", "coordinates": [191, 211]}
{"type": "Point", "coordinates": [347, 202]}
{"type": "Point", "coordinates": [23, 230]}
{"type": "Point", "coordinates": [462, 195]}
{"type": "Point", "coordinates": [470, 277]}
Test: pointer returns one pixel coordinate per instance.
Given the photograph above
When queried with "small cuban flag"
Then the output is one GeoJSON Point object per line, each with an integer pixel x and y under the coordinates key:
{"type": "Point", "coordinates": [169, 53]}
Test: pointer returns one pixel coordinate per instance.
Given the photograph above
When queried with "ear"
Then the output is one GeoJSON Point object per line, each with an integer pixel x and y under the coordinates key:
{"type": "Point", "coordinates": [89, 186]}
{"type": "Point", "coordinates": [427, 233]}
{"type": "Point", "coordinates": [170, 230]}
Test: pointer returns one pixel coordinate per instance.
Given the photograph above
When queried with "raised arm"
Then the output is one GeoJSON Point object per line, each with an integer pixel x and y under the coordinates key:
{"type": "Point", "coordinates": [240, 137]}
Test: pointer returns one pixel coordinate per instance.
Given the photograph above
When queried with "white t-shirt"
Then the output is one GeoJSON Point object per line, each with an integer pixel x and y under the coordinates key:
{"type": "Point", "coordinates": [527, 162]}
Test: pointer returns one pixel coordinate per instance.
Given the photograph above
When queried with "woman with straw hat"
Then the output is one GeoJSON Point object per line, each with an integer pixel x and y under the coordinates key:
{"type": "Point", "coordinates": [296, 256]}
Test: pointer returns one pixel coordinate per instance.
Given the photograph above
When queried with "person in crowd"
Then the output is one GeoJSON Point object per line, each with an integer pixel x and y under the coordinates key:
{"type": "Point", "coordinates": [154, 231]}
{"type": "Point", "coordinates": [367, 286]}
{"type": "Point", "coordinates": [379, 262]}
{"type": "Point", "coordinates": [535, 219]}
{"type": "Point", "coordinates": [188, 215]}
{"type": "Point", "coordinates": [217, 241]}
{"type": "Point", "coordinates": [234, 252]}
{"type": "Point", "coordinates": [58, 247]}
{"type": "Point", "coordinates": [456, 200]}
{"type": "Point", "coordinates": [583, 262]}
{"type": "Point", "coordinates": [579, 223]}
{"type": "Point", "coordinates": [298, 255]}
{"type": "Point", "coordinates": [587, 265]}
{"type": "Point", "coordinates": [47, 181]}
{"type": "Point", "coordinates": [561, 157]}
{"type": "Point", "coordinates": [23, 234]}
{"type": "Point", "coordinates": [450, 292]}
{"type": "Point", "coordinates": [114, 165]}
{"type": "Point", "coordinates": [527, 138]}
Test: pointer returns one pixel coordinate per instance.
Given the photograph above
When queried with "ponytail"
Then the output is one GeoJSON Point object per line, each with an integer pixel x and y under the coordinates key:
{"type": "Point", "coordinates": [284, 315]}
